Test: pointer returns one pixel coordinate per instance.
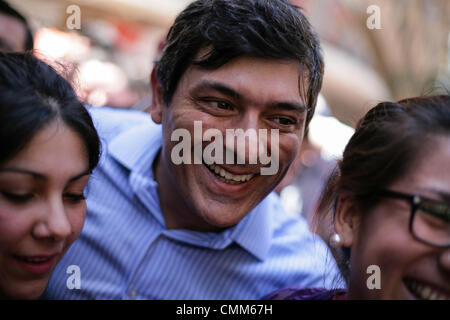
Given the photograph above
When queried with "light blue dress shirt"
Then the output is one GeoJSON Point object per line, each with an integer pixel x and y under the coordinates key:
{"type": "Point", "coordinates": [126, 252]}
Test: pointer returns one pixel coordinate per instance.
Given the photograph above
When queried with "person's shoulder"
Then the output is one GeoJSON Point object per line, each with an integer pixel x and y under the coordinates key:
{"type": "Point", "coordinates": [110, 122]}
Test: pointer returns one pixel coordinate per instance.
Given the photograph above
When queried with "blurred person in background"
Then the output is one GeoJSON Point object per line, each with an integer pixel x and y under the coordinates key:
{"type": "Point", "coordinates": [49, 149]}
{"type": "Point", "coordinates": [302, 186]}
{"type": "Point", "coordinates": [104, 84]}
{"type": "Point", "coordinates": [306, 178]}
{"type": "Point", "coordinates": [15, 32]}
{"type": "Point", "coordinates": [157, 230]}
{"type": "Point", "coordinates": [390, 201]}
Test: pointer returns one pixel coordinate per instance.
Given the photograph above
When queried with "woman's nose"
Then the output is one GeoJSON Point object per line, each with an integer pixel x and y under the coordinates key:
{"type": "Point", "coordinates": [54, 222]}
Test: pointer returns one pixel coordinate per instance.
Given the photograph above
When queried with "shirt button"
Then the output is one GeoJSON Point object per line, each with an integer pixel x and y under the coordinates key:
{"type": "Point", "coordinates": [132, 293]}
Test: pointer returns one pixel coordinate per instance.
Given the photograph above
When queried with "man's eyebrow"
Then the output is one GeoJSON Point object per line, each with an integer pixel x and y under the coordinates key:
{"type": "Point", "coordinates": [217, 86]}
{"type": "Point", "coordinates": [289, 106]}
{"type": "Point", "coordinates": [40, 176]}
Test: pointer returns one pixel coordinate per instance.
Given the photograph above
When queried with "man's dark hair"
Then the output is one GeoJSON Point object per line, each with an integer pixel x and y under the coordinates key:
{"type": "Point", "coordinates": [7, 10]}
{"type": "Point", "coordinates": [232, 28]}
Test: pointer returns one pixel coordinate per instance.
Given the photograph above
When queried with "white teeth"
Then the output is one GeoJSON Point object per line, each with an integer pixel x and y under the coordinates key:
{"type": "Point", "coordinates": [232, 178]}
{"type": "Point", "coordinates": [228, 176]}
{"type": "Point", "coordinates": [425, 292]}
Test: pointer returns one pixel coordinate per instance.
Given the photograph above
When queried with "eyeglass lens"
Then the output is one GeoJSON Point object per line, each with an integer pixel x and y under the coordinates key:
{"type": "Point", "coordinates": [432, 222]}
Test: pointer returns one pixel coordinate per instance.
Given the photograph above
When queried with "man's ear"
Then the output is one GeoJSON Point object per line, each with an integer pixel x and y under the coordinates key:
{"type": "Point", "coordinates": [347, 220]}
{"type": "Point", "coordinates": [157, 98]}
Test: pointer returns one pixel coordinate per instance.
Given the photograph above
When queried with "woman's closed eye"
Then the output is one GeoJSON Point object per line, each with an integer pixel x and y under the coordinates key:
{"type": "Point", "coordinates": [18, 198]}
{"type": "Point", "coordinates": [75, 191]}
{"type": "Point", "coordinates": [74, 197]}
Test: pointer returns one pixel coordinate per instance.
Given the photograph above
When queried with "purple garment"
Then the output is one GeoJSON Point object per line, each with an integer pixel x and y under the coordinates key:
{"type": "Point", "coordinates": [306, 294]}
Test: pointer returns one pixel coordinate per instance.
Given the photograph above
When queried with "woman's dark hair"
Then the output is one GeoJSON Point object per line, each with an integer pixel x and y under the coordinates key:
{"type": "Point", "coordinates": [232, 28]}
{"type": "Point", "coordinates": [32, 95]}
{"type": "Point", "coordinates": [6, 9]}
{"type": "Point", "coordinates": [387, 142]}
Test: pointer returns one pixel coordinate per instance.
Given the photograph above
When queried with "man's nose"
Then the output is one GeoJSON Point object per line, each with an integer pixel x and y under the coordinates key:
{"type": "Point", "coordinates": [247, 139]}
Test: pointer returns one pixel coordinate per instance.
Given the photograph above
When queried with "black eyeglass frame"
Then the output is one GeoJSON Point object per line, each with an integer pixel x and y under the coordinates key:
{"type": "Point", "coordinates": [415, 201]}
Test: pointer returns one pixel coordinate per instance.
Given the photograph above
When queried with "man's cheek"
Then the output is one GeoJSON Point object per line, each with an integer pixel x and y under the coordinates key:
{"type": "Point", "coordinates": [288, 152]}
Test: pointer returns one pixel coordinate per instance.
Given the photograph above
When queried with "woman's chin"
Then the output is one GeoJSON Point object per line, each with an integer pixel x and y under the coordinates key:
{"type": "Point", "coordinates": [24, 291]}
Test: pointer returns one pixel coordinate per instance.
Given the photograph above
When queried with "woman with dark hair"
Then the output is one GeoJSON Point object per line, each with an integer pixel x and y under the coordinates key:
{"type": "Point", "coordinates": [49, 149]}
{"type": "Point", "coordinates": [390, 197]}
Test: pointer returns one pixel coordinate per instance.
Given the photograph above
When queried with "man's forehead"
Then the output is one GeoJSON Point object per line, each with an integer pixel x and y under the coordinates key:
{"type": "Point", "coordinates": [253, 76]}
{"type": "Point", "coordinates": [246, 59]}
{"type": "Point", "coordinates": [205, 52]}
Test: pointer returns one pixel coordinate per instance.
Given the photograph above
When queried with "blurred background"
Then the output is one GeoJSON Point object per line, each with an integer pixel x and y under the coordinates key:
{"type": "Point", "coordinates": [109, 47]}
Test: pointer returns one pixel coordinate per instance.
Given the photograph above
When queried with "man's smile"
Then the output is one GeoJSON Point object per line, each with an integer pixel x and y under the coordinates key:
{"type": "Point", "coordinates": [228, 177]}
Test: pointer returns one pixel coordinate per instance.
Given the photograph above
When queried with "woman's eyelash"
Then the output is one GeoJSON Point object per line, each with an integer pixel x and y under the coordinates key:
{"type": "Point", "coordinates": [75, 197]}
{"type": "Point", "coordinates": [17, 198]}
{"type": "Point", "coordinates": [23, 198]}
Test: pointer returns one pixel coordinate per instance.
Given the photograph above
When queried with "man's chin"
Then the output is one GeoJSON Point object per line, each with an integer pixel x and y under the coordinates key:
{"type": "Point", "coordinates": [222, 217]}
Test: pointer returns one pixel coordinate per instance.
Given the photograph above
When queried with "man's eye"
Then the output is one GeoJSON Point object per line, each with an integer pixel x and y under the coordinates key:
{"type": "Point", "coordinates": [17, 198]}
{"type": "Point", "coordinates": [284, 121]}
{"type": "Point", "coordinates": [223, 105]}
{"type": "Point", "coordinates": [219, 104]}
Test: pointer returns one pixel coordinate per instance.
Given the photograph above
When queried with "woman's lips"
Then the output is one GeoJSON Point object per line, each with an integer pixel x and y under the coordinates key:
{"type": "Point", "coordinates": [37, 264]}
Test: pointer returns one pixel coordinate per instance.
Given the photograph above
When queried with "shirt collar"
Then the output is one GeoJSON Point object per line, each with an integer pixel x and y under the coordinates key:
{"type": "Point", "coordinates": [137, 148]}
{"type": "Point", "coordinates": [254, 232]}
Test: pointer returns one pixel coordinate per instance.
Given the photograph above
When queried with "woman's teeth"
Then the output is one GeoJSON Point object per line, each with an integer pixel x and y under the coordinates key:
{"type": "Point", "coordinates": [424, 291]}
{"type": "Point", "coordinates": [229, 177]}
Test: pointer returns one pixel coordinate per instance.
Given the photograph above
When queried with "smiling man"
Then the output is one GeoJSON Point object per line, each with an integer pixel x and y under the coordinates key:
{"type": "Point", "coordinates": [245, 93]}
{"type": "Point", "coordinates": [163, 229]}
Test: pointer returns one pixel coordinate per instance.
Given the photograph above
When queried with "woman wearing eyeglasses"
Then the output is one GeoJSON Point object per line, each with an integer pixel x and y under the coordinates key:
{"type": "Point", "coordinates": [390, 201]}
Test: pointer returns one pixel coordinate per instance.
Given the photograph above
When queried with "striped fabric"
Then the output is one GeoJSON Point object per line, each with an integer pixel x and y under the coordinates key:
{"type": "Point", "coordinates": [125, 251]}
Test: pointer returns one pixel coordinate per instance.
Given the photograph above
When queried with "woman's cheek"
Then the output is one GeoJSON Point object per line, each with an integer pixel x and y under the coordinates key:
{"type": "Point", "coordinates": [76, 217]}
